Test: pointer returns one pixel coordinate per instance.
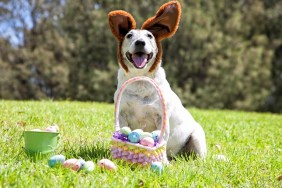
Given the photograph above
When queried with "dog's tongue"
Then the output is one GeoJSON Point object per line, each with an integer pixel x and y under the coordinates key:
{"type": "Point", "coordinates": [139, 60]}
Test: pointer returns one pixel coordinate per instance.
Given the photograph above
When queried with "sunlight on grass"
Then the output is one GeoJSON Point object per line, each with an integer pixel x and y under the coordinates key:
{"type": "Point", "coordinates": [251, 143]}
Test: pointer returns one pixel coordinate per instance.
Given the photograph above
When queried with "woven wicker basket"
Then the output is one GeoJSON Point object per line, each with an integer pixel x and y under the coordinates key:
{"type": "Point", "coordinates": [136, 153]}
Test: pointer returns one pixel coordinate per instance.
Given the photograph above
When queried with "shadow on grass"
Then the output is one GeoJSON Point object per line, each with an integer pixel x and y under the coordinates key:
{"type": "Point", "coordinates": [185, 157]}
{"type": "Point", "coordinates": [94, 152]}
{"type": "Point", "coordinates": [97, 151]}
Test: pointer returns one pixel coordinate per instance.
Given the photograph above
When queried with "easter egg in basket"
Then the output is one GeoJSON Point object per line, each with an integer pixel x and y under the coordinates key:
{"type": "Point", "coordinates": [125, 130]}
{"type": "Point", "coordinates": [156, 135]}
{"type": "Point", "coordinates": [145, 134]}
{"type": "Point", "coordinates": [134, 137]}
{"type": "Point", "coordinates": [147, 141]}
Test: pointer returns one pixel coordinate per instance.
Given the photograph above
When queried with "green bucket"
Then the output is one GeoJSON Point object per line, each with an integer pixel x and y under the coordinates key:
{"type": "Point", "coordinates": [40, 142]}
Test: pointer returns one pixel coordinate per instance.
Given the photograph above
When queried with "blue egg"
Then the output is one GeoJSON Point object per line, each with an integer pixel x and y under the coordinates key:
{"type": "Point", "coordinates": [134, 137]}
{"type": "Point", "coordinates": [82, 163]}
{"type": "Point", "coordinates": [56, 159]}
{"type": "Point", "coordinates": [157, 167]}
{"type": "Point", "coordinates": [156, 135]}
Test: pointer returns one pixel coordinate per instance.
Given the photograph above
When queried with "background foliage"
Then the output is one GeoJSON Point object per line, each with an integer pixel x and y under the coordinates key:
{"type": "Point", "coordinates": [226, 54]}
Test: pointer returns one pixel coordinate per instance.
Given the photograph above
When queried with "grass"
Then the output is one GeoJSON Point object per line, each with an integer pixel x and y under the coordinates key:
{"type": "Point", "coordinates": [251, 142]}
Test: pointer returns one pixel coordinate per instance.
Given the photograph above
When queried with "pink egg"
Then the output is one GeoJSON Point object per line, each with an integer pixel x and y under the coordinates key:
{"type": "Point", "coordinates": [51, 129]}
{"type": "Point", "coordinates": [147, 141]}
{"type": "Point", "coordinates": [107, 164]}
{"type": "Point", "coordinates": [73, 164]}
{"type": "Point", "coordinates": [55, 126]}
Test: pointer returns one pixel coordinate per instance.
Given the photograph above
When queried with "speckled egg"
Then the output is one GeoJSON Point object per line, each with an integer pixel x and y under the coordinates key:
{"type": "Point", "coordinates": [56, 159]}
{"type": "Point", "coordinates": [125, 130]}
{"type": "Point", "coordinates": [134, 137]}
{"type": "Point", "coordinates": [73, 164]}
{"type": "Point", "coordinates": [157, 167]}
{"type": "Point", "coordinates": [145, 134]}
{"type": "Point", "coordinates": [107, 164]}
{"type": "Point", "coordinates": [156, 135]}
{"type": "Point", "coordinates": [147, 141]}
{"type": "Point", "coordinates": [88, 166]}
{"type": "Point", "coordinates": [82, 162]}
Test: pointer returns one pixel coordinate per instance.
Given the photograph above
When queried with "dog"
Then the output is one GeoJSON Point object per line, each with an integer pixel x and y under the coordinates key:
{"type": "Point", "coordinates": [139, 54]}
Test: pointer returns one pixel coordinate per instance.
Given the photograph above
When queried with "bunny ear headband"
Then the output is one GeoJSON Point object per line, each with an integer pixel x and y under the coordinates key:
{"type": "Point", "coordinates": [163, 25]}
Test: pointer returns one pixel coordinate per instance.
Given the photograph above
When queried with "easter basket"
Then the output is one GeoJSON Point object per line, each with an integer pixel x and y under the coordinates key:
{"type": "Point", "coordinates": [135, 153]}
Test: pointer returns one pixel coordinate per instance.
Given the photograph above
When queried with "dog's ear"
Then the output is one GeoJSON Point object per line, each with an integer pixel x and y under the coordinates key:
{"type": "Point", "coordinates": [121, 22]}
{"type": "Point", "coordinates": [165, 23]}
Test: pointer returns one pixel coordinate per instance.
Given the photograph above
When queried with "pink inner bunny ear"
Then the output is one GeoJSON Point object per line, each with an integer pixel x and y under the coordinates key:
{"type": "Point", "coordinates": [121, 23]}
{"type": "Point", "coordinates": [165, 23]}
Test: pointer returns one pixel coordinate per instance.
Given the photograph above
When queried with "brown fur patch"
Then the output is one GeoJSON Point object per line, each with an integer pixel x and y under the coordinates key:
{"type": "Point", "coordinates": [120, 58]}
{"type": "Point", "coordinates": [158, 57]}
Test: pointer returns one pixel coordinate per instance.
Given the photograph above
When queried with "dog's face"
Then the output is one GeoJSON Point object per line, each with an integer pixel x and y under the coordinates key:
{"type": "Point", "coordinates": [141, 49]}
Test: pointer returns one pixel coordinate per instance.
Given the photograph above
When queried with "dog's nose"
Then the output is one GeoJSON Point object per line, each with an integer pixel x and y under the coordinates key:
{"type": "Point", "coordinates": [140, 43]}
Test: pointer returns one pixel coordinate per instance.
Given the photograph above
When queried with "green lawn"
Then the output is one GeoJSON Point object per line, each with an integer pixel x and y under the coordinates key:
{"type": "Point", "coordinates": [251, 143]}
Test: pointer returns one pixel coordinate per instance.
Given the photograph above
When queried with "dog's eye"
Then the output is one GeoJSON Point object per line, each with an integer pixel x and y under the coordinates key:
{"type": "Point", "coordinates": [129, 35]}
{"type": "Point", "coordinates": [150, 36]}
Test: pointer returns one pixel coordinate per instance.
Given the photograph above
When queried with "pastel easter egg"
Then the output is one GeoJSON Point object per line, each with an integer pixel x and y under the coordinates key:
{"type": "Point", "coordinates": [107, 164]}
{"type": "Point", "coordinates": [147, 141]}
{"type": "Point", "coordinates": [82, 163]}
{"type": "Point", "coordinates": [139, 131]}
{"type": "Point", "coordinates": [134, 137]}
{"type": "Point", "coordinates": [51, 129]}
{"type": "Point", "coordinates": [36, 130]}
{"type": "Point", "coordinates": [88, 166]}
{"type": "Point", "coordinates": [145, 134]}
{"type": "Point", "coordinates": [156, 135]}
{"type": "Point", "coordinates": [73, 164]}
{"type": "Point", "coordinates": [157, 167]}
{"type": "Point", "coordinates": [125, 130]}
{"type": "Point", "coordinates": [56, 159]}
{"type": "Point", "coordinates": [54, 126]}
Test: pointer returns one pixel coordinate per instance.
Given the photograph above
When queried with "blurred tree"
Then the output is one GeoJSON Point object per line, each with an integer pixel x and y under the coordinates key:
{"type": "Point", "coordinates": [226, 60]}
{"type": "Point", "coordinates": [273, 25]}
{"type": "Point", "coordinates": [8, 85]}
{"type": "Point", "coordinates": [226, 54]}
{"type": "Point", "coordinates": [38, 61]}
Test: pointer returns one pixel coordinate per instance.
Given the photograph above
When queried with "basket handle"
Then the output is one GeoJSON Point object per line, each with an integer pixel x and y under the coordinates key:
{"type": "Point", "coordinates": [159, 92]}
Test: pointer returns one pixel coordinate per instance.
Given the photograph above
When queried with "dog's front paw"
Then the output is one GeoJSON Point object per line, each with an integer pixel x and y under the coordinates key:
{"type": "Point", "coordinates": [165, 160]}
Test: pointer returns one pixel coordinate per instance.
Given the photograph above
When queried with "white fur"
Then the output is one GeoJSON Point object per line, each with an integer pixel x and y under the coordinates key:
{"type": "Point", "coordinates": [140, 106]}
{"type": "Point", "coordinates": [150, 46]}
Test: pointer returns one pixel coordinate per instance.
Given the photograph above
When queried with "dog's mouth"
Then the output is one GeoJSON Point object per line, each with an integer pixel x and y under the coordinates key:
{"type": "Point", "coordinates": [139, 59]}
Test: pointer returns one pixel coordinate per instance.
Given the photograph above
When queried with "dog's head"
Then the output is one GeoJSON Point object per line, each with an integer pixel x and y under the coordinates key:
{"type": "Point", "coordinates": [140, 49]}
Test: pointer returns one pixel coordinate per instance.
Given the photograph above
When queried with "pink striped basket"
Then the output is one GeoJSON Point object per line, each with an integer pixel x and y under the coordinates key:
{"type": "Point", "coordinates": [136, 153]}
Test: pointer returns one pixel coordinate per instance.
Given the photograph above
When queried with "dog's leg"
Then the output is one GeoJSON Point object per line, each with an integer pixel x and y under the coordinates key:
{"type": "Point", "coordinates": [196, 143]}
{"type": "Point", "coordinates": [165, 159]}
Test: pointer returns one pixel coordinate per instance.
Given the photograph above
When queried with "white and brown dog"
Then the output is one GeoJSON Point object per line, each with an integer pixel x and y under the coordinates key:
{"type": "Point", "coordinates": [139, 54]}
